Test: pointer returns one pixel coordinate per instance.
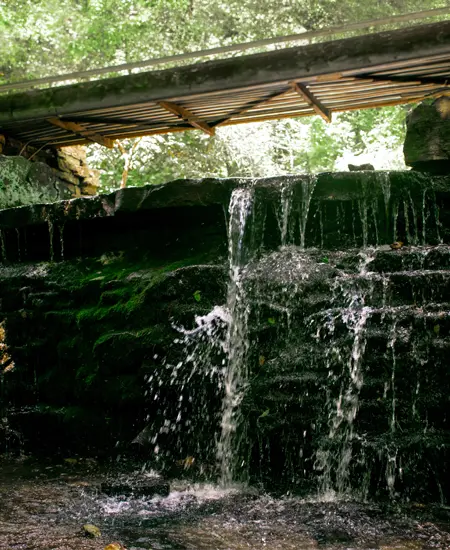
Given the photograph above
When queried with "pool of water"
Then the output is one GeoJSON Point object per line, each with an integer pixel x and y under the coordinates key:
{"type": "Point", "coordinates": [43, 506]}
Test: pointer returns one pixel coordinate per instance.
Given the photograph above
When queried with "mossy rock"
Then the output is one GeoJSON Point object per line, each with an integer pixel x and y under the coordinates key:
{"type": "Point", "coordinates": [120, 350]}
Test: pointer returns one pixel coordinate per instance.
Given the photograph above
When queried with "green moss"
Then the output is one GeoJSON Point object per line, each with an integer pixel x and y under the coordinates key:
{"type": "Point", "coordinates": [148, 336]}
{"type": "Point", "coordinates": [98, 273]}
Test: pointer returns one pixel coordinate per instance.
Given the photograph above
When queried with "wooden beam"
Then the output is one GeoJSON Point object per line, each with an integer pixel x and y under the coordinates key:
{"type": "Point", "coordinates": [308, 35]}
{"type": "Point", "coordinates": [251, 105]}
{"type": "Point", "coordinates": [310, 99]}
{"type": "Point", "coordinates": [82, 131]}
{"type": "Point", "coordinates": [362, 54]}
{"type": "Point", "coordinates": [186, 115]}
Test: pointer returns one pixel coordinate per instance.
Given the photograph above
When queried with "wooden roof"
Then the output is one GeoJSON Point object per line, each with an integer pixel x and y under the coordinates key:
{"type": "Point", "coordinates": [375, 70]}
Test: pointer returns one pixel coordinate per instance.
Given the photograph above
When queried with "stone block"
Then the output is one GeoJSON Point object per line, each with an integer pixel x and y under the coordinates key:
{"type": "Point", "coordinates": [427, 142]}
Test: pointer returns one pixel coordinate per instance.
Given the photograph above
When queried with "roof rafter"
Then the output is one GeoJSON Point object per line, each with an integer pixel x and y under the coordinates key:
{"type": "Point", "coordinates": [312, 100]}
{"type": "Point", "coordinates": [82, 131]}
{"type": "Point", "coordinates": [251, 105]}
{"type": "Point", "coordinates": [186, 115]}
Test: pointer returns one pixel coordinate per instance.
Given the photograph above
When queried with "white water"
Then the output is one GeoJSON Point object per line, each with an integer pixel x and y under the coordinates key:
{"type": "Point", "coordinates": [236, 338]}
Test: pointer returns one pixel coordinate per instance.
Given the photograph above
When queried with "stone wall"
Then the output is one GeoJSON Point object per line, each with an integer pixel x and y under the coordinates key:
{"type": "Point", "coordinates": [29, 175]}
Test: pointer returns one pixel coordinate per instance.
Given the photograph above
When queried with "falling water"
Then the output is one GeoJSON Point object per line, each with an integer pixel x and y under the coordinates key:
{"type": "Point", "coordinates": [308, 186]}
{"type": "Point", "coordinates": [235, 376]}
{"type": "Point", "coordinates": [424, 216]}
{"type": "Point", "coordinates": [287, 191]}
{"type": "Point", "coordinates": [61, 240]}
{"type": "Point", "coordinates": [50, 233]}
{"type": "Point", "coordinates": [216, 348]}
{"type": "Point", "coordinates": [333, 459]}
{"type": "Point", "coordinates": [391, 466]}
{"type": "Point", "coordinates": [351, 295]}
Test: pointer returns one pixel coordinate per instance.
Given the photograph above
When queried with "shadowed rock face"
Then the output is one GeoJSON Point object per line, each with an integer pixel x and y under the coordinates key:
{"type": "Point", "coordinates": [336, 209]}
{"type": "Point", "coordinates": [118, 339]}
{"type": "Point", "coordinates": [427, 143]}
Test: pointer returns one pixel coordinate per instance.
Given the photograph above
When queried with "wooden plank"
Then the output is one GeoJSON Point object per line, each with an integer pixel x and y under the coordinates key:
{"type": "Point", "coordinates": [320, 109]}
{"type": "Point", "coordinates": [186, 115]}
{"type": "Point", "coordinates": [375, 92]}
{"type": "Point", "coordinates": [360, 54]}
{"type": "Point", "coordinates": [375, 104]}
{"type": "Point", "coordinates": [408, 79]}
{"type": "Point", "coordinates": [82, 131]}
{"type": "Point", "coordinates": [245, 108]}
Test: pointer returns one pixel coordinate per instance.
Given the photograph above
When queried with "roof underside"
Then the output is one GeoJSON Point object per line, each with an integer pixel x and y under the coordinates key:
{"type": "Point", "coordinates": [376, 70]}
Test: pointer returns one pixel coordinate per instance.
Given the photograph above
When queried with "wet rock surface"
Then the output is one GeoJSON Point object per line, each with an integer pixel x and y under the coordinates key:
{"type": "Point", "coordinates": [345, 209]}
{"type": "Point", "coordinates": [44, 507]}
{"type": "Point", "coordinates": [136, 488]}
{"type": "Point", "coordinates": [122, 343]}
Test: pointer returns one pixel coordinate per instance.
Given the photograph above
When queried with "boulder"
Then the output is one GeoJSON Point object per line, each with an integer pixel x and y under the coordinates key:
{"type": "Point", "coordinates": [360, 167]}
{"type": "Point", "coordinates": [427, 142]}
{"type": "Point", "coordinates": [23, 182]}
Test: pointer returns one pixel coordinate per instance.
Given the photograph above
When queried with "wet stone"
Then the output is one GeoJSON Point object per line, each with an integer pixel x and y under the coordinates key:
{"type": "Point", "coordinates": [148, 488]}
{"type": "Point", "coordinates": [91, 531]}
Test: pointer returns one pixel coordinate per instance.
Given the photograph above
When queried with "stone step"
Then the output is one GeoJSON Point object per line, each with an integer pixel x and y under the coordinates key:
{"type": "Point", "coordinates": [411, 258]}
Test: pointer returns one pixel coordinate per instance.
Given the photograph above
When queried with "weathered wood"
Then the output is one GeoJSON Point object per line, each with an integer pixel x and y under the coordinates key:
{"type": "Point", "coordinates": [252, 105]}
{"type": "Point", "coordinates": [308, 35]}
{"type": "Point", "coordinates": [339, 75]}
{"type": "Point", "coordinates": [320, 109]}
{"type": "Point", "coordinates": [186, 115]}
{"type": "Point", "coordinates": [277, 67]}
{"type": "Point", "coordinates": [82, 131]}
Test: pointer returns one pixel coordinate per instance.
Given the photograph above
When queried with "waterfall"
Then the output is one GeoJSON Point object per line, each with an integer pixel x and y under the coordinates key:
{"type": "Point", "coordinates": [349, 313]}
{"type": "Point", "coordinates": [237, 343]}
{"type": "Point", "coordinates": [308, 355]}
{"type": "Point", "coordinates": [216, 349]}
{"type": "Point", "coordinates": [308, 186]}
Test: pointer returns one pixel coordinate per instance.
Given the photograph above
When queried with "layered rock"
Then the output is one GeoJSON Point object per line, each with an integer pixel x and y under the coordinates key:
{"type": "Point", "coordinates": [347, 346]}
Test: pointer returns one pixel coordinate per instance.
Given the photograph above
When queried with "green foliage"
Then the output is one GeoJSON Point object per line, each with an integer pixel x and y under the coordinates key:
{"type": "Point", "coordinates": [197, 296]}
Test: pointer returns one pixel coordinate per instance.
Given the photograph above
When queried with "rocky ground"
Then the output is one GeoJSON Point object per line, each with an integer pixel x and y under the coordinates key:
{"type": "Point", "coordinates": [44, 506]}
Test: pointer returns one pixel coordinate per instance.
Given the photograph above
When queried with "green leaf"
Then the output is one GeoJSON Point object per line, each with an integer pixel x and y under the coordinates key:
{"type": "Point", "coordinates": [325, 260]}
{"type": "Point", "coordinates": [272, 321]}
{"type": "Point", "coordinates": [264, 414]}
{"type": "Point", "coordinates": [197, 296]}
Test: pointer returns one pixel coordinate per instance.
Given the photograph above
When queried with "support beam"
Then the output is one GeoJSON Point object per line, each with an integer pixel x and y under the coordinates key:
{"type": "Point", "coordinates": [320, 109]}
{"type": "Point", "coordinates": [361, 54]}
{"type": "Point", "coordinates": [82, 131]}
{"type": "Point", "coordinates": [186, 115]}
{"type": "Point", "coordinates": [252, 105]}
